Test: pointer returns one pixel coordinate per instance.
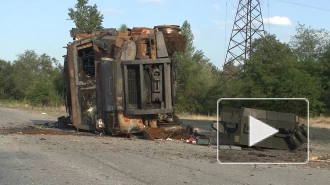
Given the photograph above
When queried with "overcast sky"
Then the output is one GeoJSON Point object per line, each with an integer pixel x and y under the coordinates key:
{"type": "Point", "coordinates": [41, 25]}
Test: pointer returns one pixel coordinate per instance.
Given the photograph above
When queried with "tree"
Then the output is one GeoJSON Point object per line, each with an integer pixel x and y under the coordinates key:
{"type": "Point", "coordinates": [6, 83]}
{"type": "Point", "coordinates": [274, 72]}
{"type": "Point", "coordinates": [40, 93]}
{"type": "Point", "coordinates": [196, 75]}
{"type": "Point", "coordinates": [123, 28]}
{"type": "Point", "coordinates": [189, 36]}
{"type": "Point", "coordinates": [324, 74]}
{"type": "Point", "coordinates": [309, 44]}
{"type": "Point", "coordinates": [36, 78]}
{"type": "Point", "coordinates": [86, 17]}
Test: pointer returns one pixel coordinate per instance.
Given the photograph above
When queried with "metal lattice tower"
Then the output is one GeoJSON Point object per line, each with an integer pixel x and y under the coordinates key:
{"type": "Point", "coordinates": [247, 26]}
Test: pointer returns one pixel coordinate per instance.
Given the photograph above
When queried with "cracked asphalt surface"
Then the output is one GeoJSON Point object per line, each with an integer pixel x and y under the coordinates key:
{"type": "Point", "coordinates": [83, 159]}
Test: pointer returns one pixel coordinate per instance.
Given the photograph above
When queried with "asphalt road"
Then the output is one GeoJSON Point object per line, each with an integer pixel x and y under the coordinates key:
{"type": "Point", "coordinates": [69, 159]}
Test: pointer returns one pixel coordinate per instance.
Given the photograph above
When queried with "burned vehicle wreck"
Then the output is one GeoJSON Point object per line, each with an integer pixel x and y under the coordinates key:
{"type": "Point", "coordinates": [122, 82]}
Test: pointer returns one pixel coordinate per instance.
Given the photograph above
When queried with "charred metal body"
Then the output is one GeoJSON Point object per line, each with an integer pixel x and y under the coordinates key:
{"type": "Point", "coordinates": [122, 82]}
{"type": "Point", "coordinates": [233, 128]}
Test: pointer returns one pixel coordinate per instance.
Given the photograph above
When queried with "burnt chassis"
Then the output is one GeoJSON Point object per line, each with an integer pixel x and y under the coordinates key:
{"type": "Point", "coordinates": [108, 89]}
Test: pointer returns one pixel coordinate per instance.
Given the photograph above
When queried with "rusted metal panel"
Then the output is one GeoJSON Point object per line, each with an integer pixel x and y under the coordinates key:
{"type": "Point", "coordinates": [167, 81]}
{"type": "Point", "coordinates": [75, 66]}
{"type": "Point", "coordinates": [136, 31]}
{"type": "Point", "coordinates": [83, 46]}
{"type": "Point", "coordinates": [106, 84]}
{"type": "Point", "coordinates": [153, 46]}
{"type": "Point", "coordinates": [130, 124]}
{"type": "Point", "coordinates": [88, 106]}
{"type": "Point", "coordinates": [82, 42]}
{"type": "Point", "coordinates": [122, 38]}
{"type": "Point", "coordinates": [161, 47]}
{"type": "Point", "coordinates": [142, 49]}
{"type": "Point", "coordinates": [82, 35]}
{"type": "Point", "coordinates": [152, 123]}
{"type": "Point", "coordinates": [97, 58]}
{"type": "Point", "coordinates": [158, 61]}
{"type": "Point", "coordinates": [168, 28]}
{"type": "Point", "coordinates": [76, 119]}
{"type": "Point", "coordinates": [128, 51]}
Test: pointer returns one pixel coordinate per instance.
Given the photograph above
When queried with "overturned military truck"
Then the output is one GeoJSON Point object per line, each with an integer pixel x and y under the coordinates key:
{"type": "Point", "coordinates": [122, 82]}
{"type": "Point", "coordinates": [234, 128]}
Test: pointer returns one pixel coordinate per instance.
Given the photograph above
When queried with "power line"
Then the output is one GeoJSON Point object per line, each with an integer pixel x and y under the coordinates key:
{"type": "Point", "coordinates": [224, 53]}
{"type": "Point", "coordinates": [232, 4]}
{"type": "Point", "coordinates": [268, 17]}
{"type": "Point", "coordinates": [247, 26]}
{"type": "Point", "coordinates": [304, 5]}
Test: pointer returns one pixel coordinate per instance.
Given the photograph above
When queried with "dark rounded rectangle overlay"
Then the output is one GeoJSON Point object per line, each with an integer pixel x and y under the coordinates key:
{"type": "Point", "coordinates": [289, 116]}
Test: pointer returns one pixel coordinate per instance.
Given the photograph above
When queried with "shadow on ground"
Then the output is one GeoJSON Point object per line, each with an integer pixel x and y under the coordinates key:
{"type": "Point", "coordinates": [52, 124]}
{"type": "Point", "coordinates": [42, 122]}
{"type": "Point", "coordinates": [202, 124]}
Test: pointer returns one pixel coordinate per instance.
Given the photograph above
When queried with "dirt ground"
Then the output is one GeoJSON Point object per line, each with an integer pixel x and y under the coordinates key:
{"type": "Point", "coordinates": [319, 145]}
{"type": "Point", "coordinates": [177, 148]}
{"type": "Point", "coordinates": [33, 153]}
{"type": "Point", "coordinates": [87, 159]}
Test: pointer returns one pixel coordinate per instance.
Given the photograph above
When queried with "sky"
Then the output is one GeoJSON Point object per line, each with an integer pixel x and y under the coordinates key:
{"type": "Point", "coordinates": [42, 25]}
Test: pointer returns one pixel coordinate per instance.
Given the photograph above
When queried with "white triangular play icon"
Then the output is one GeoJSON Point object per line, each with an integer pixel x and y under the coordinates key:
{"type": "Point", "coordinates": [259, 131]}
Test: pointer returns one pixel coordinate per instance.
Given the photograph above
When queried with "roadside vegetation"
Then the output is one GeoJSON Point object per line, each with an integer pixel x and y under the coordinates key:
{"type": "Point", "coordinates": [297, 69]}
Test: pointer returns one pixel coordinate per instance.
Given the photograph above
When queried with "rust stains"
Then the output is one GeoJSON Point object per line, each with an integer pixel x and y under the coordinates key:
{"type": "Point", "coordinates": [83, 46]}
{"type": "Point", "coordinates": [86, 94]}
{"type": "Point", "coordinates": [164, 133]}
{"type": "Point", "coordinates": [73, 89]}
{"type": "Point", "coordinates": [130, 124]}
{"type": "Point", "coordinates": [137, 31]}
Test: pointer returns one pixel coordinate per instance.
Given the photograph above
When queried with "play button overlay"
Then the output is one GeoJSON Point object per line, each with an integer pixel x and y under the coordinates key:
{"type": "Point", "coordinates": [259, 131]}
{"type": "Point", "coordinates": [262, 131]}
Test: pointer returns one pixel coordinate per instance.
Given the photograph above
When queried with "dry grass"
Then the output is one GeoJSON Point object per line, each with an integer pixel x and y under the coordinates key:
{"type": "Point", "coordinates": [196, 117]}
{"type": "Point", "coordinates": [51, 110]}
{"type": "Point", "coordinates": [317, 122]}
{"type": "Point", "coordinates": [320, 122]}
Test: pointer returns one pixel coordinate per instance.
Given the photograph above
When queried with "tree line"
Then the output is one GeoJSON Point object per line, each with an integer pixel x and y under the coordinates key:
{"type": "Point", "coordinates": [36, 79]}
{"type": "Point", "coordinates": [297, 69]}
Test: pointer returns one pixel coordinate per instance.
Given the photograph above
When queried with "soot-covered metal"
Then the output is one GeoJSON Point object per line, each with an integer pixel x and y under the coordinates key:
{"type": "Point", "coordinates": [122, 82]}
